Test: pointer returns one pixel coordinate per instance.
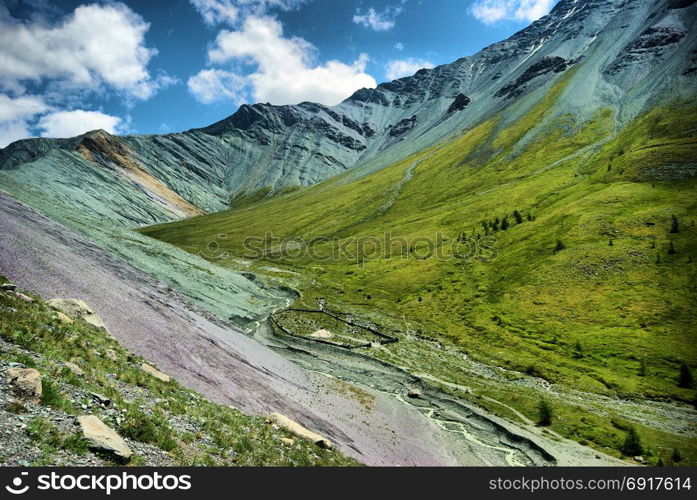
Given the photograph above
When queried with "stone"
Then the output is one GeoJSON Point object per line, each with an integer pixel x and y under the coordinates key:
{"type": "Point", "coordinates": [155, 372]}
{"type": "Point", "coordinates": [26, 383]}
{"type": "Point", "coordinates": [76, 308]}
{"type": "Point", "coordinates": [639, 459]}
{"type": "Point", "coordinates": [101, 399]}
{"type": "Point", "coordinates": [103, 438]}
{"type": "Point", "coordinates": [295, 428]}
{"type": "Point", "coordinates": [8, 287]}
{"type": "Point", "coordinates": [287, 441]}
{"type": "Point", "coordinates": [321, 334]}
{"type": "Point", "coordinates": [111, 354]}
{"type": "Point", "coordinates": [414, 394]}
{"type": "Point", "coordinates": [25, 298]}
{"type": "Point", "coordinates": [64, 318]}
{"type": "Point", "coordinates": [74, 368]}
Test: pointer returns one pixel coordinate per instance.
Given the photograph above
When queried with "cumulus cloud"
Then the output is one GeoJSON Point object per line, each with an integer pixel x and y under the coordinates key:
{"type": "Point", "coordinates": [492, 11]}
{"type": "Point", "coordinates": [405, 67]}
{"type": "Point", "coordinates": [15, 113]}
{"type": "Point", "coordinates": [378, 21]}
{"type": "Point", "coordinates": [285, 69]}
{"type": "Point", "coordinates": [231, 11]}
{"type": "Point", "coordinates": [217, 11]}
{"type": "Point", "coordinates": [95, 46]}
{"type": "Point", "coordinates": [20, 108]}
{"type": "Point", "coordinates": [213, 85]}
{"type": "Point", "coordinates": [72, 123]}
{"type": "Point", "coordinates": [48, 67]}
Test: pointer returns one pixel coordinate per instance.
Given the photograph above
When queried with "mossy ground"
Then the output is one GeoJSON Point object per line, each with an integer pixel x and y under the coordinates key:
{"type": "Point", "coordinates": [588, 288]}
{"type": "Point", "coordinates": [214, 435]}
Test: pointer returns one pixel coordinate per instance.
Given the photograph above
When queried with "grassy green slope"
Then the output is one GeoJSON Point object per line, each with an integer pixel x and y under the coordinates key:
{"type": "Point", "coordinates": [612, 312]}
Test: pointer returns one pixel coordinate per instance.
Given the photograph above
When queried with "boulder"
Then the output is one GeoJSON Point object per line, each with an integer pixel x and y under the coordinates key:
{"type": "Point", "coordinates": [287, 441]}
{"type": "Point", "coordinates": [295, 428]}
{"type": "Point", "coordinates": [25, 298]}
{"type": "Point", "coordinates": [26, 383]}
{"type": "Point", "coordinates": [154, 372]}
{"type": "Point", "coordinates": [111, 354]}
{"type": "Point", "coordinates": [74, 368]}
{"type": "Point", "coordinates": [414, 394]}
{"type": "Point", "coordinates": [321, 334]}
{"type": "Point", "coordinates": [76, 308]}
{"type": "Point", "coordinates": [64, 318]}
{"type": "Point", "coordinates": [103, 438]}
{"type": "Point", "coordinates": [8, 287]}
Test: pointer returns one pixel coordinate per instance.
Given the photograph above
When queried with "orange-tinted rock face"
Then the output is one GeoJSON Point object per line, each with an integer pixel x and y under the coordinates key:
{"type": "Point", "coordinates": [109, 151]}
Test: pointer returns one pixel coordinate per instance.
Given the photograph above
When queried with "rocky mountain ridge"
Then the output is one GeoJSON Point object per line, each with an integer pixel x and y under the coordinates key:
{"type": "Point", "coordinates": [625, 55]}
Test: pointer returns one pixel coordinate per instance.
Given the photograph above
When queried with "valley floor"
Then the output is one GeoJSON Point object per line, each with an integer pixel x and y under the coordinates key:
{"type": "Point", "coordinates": [376, 424]}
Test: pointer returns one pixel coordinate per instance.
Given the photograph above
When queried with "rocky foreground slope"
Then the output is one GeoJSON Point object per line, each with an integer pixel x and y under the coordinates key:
{"type": "Point", "coordinates": [71, 395]}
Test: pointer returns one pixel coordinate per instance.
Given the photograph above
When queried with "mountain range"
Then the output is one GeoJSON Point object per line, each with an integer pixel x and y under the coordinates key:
{"type": "Point", "coordinates": [625, 55]}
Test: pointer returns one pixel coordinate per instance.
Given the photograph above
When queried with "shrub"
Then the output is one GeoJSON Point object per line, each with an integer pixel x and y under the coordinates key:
{"type": "Point", "coordinates": [559, 247]}
{"type": "Point", "coordinates": [545, 413]}
{"type": "Point", "coordinates": [51, 395]}
{"type": "Point", "coordinates": [674, 225]}
{"type": "Point", "coordinates": [632, 443]}
{"type": "Point", "coordinates": [685, 379]}
{"type": "Point", "coordinates": [642, 367]}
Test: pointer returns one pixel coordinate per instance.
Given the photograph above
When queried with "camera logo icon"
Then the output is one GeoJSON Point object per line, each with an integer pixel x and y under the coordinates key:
{"type": "Point", "coordinates": [16, 487]}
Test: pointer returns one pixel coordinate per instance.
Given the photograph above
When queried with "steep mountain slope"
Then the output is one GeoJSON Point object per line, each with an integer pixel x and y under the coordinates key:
{"type": "Point", "coordinates": [631, 53]}
{"type": "Point", "coordinates": [545, 252]}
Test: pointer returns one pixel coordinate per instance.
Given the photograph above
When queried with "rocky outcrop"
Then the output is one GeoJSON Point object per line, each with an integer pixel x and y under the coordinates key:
{"type": "Point", "coordinates": [403, 126]}
{"type": "Point", "coordinates": [541, 67]}
{"type": "Point", "coordinates": [103, 438]}
{"type": "Point", "coordinates": [461, 102]}
{"type": "Point", "coordinates": [25, 383]}
{"type": "Point", "coordinates": [77, 308]}
{"type": "Point", "coordinates": [295, 428]}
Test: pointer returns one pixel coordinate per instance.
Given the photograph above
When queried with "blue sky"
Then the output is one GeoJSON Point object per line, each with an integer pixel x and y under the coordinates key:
{"type": "Point", "coordinates": [156, 66]}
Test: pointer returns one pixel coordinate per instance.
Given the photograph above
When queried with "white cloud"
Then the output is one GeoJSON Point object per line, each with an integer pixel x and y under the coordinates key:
{"type": "Point", "coordinates": [13, 131]}
{"type": "Point", "coordinates": [399, 46]}
{"type": "Point", "coordinates": [286, 71]}
{"type": "Point", "coordinates": [232, 11]}
{"type": "Point", "coordinates": [15, 114]}
{"type": "Point", "coordinates": [492, 11]}
{"type": "Point", "coordinates": [72, 123]}
{"type": "Point", "coordinates": [20, 108]}
{"type": "Point", "coordinates": [212, 85]}
{"type": "Point", "coordinates": [405, 67]}
{"type": "Point", "coordinates": [217, 11]}
{"type": "Point", "coordinates": [95, 46]}
{"type": "Point", "coordinates": [378, 21]}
